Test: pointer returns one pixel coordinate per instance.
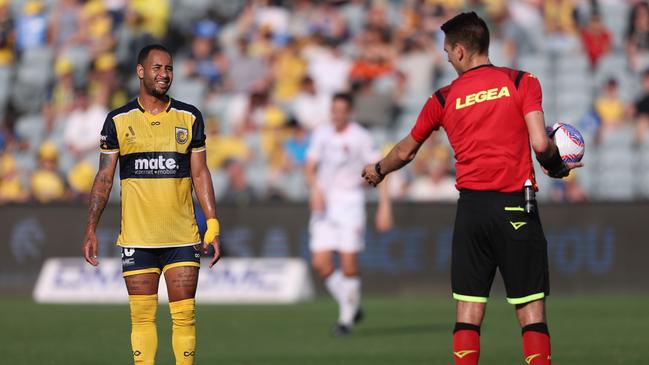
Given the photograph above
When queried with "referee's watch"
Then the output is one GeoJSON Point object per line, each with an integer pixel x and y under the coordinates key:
{"type": "Point", "coordinates": [377, 169]}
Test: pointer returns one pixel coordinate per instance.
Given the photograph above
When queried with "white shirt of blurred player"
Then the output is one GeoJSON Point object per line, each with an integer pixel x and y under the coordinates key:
{"type": "Point", "coordinates": [340, 158]}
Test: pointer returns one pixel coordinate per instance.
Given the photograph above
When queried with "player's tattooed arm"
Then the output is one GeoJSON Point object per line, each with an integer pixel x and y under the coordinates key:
{"type": "Point", "coordinates": [98, 198]}
{"type": "Point", "coordinates": [101, 188]}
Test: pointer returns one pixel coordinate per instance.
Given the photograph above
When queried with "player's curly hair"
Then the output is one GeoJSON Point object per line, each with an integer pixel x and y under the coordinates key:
{"type": "Point", "coordinates": [144, 52]}
{"type": "Point", "coordinates": [469, 30]}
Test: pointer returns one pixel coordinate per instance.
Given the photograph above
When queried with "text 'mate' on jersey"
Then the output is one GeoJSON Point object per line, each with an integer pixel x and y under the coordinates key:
{"type": "Point", "coordinates": [154, 168]}
{"type": "Point", "coordinates": [482, 112]}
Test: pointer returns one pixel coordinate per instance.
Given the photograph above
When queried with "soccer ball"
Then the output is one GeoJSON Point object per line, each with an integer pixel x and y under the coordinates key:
{"type": "Point", "coordinates": [569, 141]}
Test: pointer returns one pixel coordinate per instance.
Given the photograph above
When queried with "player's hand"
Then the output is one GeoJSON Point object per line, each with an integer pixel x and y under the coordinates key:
{"type": "Point", "coordinates": [90, 248]}
{"type": "Point", "coordinates": [212, 238]}
{"type": "Point", "coordinates": [316, 201]}
{"type": "Point", "coordinates": [371, 176]}
{"type": "Point", "coordinates": [384, 220]}
{"type": "Point", "coordinates": [217, 250]}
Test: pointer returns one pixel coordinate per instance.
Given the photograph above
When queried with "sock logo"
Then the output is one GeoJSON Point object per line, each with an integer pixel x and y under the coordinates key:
{"type": "Point", "coordinates": [531, 357]}
{"type": "Point", "coordinates": [463, 353]}
{"type": "Point", "coordinates": [137, 353]}
{"type": "Point", "coordinates": [188, 353]}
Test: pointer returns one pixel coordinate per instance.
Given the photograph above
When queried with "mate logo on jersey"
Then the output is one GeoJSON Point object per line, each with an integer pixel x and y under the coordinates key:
{"type": "Point", "coordinates": [481, 97]}
{"type": "Point", "coordinates": [154, 165]}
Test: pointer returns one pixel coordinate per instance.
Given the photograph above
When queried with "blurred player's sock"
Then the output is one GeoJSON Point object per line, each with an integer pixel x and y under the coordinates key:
{"type": "Point", "coordinates": [536, 344]}
{"type": "Point", "coordinates": [466, 344]}
{"type": "Point", "coordinates": [183, 338]}
{"type": "Point", "coordinates": [334, 284]}
{"type": "Point", "coordinates": [351, 300]}
{"type": "Point", "coordinates": [144, 337]}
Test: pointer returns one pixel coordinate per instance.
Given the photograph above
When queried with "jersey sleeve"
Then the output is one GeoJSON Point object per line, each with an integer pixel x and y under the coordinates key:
{"type": "Point", "coordinates": [198, 133]}
{"type": "Point", "coordinates": [532, 98]}
{"type": "Point", "coordinates": [108, 142]}
{"type": "Point", "coordinates": [429, 120]}
{"type": "Point", "coordinates": [314, 151]}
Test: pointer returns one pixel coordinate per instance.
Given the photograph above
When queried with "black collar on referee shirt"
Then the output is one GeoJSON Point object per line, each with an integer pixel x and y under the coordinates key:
{"type": "Point", "coordinates": [479, 66]}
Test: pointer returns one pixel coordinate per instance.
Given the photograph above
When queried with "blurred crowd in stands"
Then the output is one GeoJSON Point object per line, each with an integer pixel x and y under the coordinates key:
{"type": "Point", "coordinates": [262, 72]}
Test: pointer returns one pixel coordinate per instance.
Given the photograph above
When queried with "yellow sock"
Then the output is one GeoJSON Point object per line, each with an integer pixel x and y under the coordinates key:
{"type": "Point", "coordinates": [183, 337]}
{"type": "Point", "coordinates": [144, 337]}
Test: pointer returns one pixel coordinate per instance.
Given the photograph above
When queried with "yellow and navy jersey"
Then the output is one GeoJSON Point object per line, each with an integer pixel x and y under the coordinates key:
{"type": "Point", "coordinates": [154, 168]}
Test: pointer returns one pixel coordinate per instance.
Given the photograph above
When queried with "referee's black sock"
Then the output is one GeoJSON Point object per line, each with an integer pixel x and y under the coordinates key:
{"type": "Point", "coordinates": [466, 343]}
{"type": "Point", "coordinates": [536, 344]}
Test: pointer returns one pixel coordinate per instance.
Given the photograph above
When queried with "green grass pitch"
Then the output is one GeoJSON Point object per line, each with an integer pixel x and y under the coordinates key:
{"type": "Point", "coordinates": [397, 330]}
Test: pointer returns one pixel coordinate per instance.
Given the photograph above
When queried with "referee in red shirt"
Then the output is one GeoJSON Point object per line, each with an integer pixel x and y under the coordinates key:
{"type": "Point", "coordinates": [491, 115]}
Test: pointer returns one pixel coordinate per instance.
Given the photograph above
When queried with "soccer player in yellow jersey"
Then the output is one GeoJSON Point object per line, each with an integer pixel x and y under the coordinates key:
{"type": "Point", "coordinates": [160, 145]}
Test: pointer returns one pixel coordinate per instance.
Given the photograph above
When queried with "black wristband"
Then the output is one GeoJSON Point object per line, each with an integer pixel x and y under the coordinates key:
{"type": "Point", "coordinates": [377, 169]}
{"type": "Point", "coordinates": [554, 165]}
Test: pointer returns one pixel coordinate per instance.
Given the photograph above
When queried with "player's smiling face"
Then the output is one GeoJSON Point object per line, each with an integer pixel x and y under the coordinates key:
{"type": "Point", "coordinates": [156, 73]}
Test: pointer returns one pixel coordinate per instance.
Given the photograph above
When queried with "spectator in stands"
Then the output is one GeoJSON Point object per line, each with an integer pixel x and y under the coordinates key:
{"type": "Point", "coordinates": [12, 189]}
{"type": "Point", "coordinates": [295, 145]}
{"type": "Point", "coordinates": [47, 185]}
{"type": "Point", "coordinates": [328, 66]}
{"type": "Point", "coordinates": [417, 62]}
{"type": "Point", "coordinates": [610, 108]}
{"type": "Point", "coordinates": [637, 36]}
{"type": "Point", "coordinates": [375, 56]}
{"type": "Point", "coordinates": [596, 39]}
{"type": "Point", "coordinates": [64, 25]}
{"type": "Point", "coordinates": [310, 107]}
{"type": "Point", "coordinates": [60, 97]}
{"type": "Point", "coordinates": [287, 71]}
{"type": "Point", "coordinates": [80, 179]}
{"type": "Point", "coordinates": [7, 35]}
{"type": "Point", "coordinates": [245, 70]}
{"type": "Point", "coordinates": [328, 21]}
{"type": "Point", "coordinates": [83, 125]}
{"type": "Point", "coordinates": [206, 62]}
{"type": "Point", "coordinates": [221, 148]}
{"type": "Point", "coordinates": [31, 26]}
{"type": "Point", "coordinates": [238, 190]}
{"type": "Point", "coordinates": [105, 87]}
{"type": "Point", "coordinates": [640, 111]}
{"type": "Point", "coordinates": [96, 28]}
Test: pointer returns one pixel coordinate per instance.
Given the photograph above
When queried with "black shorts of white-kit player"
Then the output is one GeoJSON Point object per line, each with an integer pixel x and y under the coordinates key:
{"type": "Point", "coordinates": [158, 260]}
{"type": "Point", "coordinates": [492, 230]}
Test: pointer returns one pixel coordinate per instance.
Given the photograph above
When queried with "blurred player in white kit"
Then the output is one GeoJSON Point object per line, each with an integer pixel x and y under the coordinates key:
{"type": "Point", "coordinates": [336, 154]}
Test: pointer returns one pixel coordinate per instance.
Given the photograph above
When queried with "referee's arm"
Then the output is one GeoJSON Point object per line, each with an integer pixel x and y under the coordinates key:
{"type": "Point", "coordinates": [546, 151]}
{"type": "Point", "coordinates": [399, 156]}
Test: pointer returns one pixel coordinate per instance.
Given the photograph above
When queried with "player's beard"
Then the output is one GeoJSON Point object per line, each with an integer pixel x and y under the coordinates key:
{"type": "Point", "coordinates": [154, 90]}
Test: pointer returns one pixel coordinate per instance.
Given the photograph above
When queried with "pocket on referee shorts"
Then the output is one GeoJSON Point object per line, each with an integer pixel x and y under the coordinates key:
{"type": "Point", "coordinates": [517, 224]}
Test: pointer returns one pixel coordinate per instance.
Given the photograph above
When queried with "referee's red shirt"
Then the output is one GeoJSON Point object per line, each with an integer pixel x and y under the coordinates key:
{"type": "Point", "coordinates": [482, 112]}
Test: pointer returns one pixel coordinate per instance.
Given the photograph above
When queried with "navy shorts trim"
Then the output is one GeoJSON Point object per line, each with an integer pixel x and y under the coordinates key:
{"type": "Point", "coordinates": [157, 260]}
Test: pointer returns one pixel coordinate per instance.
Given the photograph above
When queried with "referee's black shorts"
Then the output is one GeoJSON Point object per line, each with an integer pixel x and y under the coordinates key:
{"type": "Point", "coordinates": [492, 231]}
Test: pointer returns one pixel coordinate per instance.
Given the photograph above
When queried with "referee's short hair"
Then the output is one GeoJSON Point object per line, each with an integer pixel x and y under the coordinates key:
{"type": "Point", "coordinates": [469, 30]}
{"type": "Point", "coordinates": [144, 52]}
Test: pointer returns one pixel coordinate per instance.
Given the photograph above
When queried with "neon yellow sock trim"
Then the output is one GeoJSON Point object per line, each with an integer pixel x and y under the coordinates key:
{"type": "Point", "coordinates": [527, 299]}
{"type": "Point", "coordinates": [144, 336]}
{"type": "Point", "coordinates": [183, 338]}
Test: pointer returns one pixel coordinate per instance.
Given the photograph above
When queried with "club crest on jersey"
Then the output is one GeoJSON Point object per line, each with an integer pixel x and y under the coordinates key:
{"type": "Point", "coordinates": [181, 135]}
